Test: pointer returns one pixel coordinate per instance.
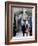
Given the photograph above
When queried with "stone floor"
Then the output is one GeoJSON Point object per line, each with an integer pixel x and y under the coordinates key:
{"type": "Point", "coordinates": [20, 34]}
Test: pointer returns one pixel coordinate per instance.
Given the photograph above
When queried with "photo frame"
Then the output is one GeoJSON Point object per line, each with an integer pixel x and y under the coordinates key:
{"type": "Point", "coordinates": [20, 22]}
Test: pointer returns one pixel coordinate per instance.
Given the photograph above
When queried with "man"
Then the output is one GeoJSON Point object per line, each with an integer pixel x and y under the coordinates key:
{"type": "Point", "coordinates": [29, 13]}
{"type": "Point", "coordinates": [23, 27]}
{"type": "Point", "coordinates": [30, 22]}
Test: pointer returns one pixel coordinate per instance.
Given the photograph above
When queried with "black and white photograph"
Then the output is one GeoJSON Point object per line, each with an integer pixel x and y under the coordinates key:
{"type": "Point", "coordinates": [21, 22]}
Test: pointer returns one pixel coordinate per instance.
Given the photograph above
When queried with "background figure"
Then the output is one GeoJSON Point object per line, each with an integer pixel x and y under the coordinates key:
{"type": "Point", "coordinates": [30, 22]}
{"type": "Point", "coordinates": [27, 25]}
{"type": "Point", "coordinates": [29, 13]}
{"type": "Point", "coordinates": [23, 27]}
{"type": "Point", "coordinates": [14, 26]}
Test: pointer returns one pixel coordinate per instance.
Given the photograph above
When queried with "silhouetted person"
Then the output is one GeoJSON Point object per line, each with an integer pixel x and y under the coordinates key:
{"type": "Point", "coordinates": [14, 27]}
{"type": "Point", "coordinates": [23, 27]}
{"type": "Point", "coordinates": [30, 22]}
